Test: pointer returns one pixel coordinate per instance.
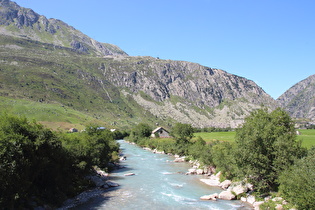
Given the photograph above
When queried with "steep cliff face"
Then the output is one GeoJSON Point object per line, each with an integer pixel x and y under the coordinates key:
{"type": "Point", "coordinates": [161, 79]}
{"type": "Point", "coordinates": [22, 22]}
{"type": "Point", "coordinates": [187, 92]}
{"type": "Point", "coordinates": [299, 100]}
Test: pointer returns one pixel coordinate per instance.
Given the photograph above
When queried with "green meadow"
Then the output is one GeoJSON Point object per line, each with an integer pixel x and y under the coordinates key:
{"type": "Point", "coordinates": [307, 137]}
{"type": "Point", "coordinates": [54, 116]}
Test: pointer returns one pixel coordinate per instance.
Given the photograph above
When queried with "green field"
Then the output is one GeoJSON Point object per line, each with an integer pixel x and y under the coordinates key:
{"type": "Point", "coordinates": [307, 137]}
{"type": "Point", "coordinates": [222, 136]}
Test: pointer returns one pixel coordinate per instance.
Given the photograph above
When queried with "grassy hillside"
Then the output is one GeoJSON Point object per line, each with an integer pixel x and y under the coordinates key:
{"type": "Point", "coordinates": [51, 74]}
{"type": "Point", "coordinates": [54, 116]}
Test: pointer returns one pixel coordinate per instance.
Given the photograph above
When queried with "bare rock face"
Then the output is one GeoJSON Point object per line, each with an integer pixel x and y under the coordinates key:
{"type": "Point", "coordinates": [187, 92]}
{"type": "Point", "coordinates": [299, 100]}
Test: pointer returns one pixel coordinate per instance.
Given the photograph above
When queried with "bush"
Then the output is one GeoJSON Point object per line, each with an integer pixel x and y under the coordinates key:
{"type": "Point", "coordinates": [139, 132]}
{"type": "Point", "coordinates": [39, 165]}
{"type": "Point", "coordinates": [95, 147]}
{"type": "Point", "coordinates": [224, 159]}
{"type": "Point", "coordinates": [297, 183]}
{"type": "Point", "coordinates": [33, 163]}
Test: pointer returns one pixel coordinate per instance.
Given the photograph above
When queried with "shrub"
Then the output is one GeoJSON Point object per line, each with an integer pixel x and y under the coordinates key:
{"type": "Point", "coordinates": [297, 183]}
{"type": "Point", "coordinates": [33, 163]}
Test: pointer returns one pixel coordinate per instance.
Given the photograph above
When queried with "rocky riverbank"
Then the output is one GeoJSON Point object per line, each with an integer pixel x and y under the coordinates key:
{"type": "Point", "coordinates": [102, 184]}
{"type": "Point", "coordinates": [231, 190]}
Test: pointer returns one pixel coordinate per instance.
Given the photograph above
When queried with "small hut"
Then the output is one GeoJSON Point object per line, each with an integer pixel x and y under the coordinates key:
{"type": "Point", "coordinates": [160, 132]}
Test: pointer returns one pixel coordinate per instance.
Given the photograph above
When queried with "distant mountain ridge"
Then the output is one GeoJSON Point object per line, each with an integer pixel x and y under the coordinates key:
{"type": "Point", "coordinates": [299, 100]}
{"type": "Point", "coordinates": [51, 62]}
{"type": "Point", "coordinates": [22, 22]}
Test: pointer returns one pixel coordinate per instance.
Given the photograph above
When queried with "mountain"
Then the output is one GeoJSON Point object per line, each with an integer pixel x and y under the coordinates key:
{"type": "Point", "coordinates": [22, 22]}
{"type": "Point", "coordinates": [299, 100]}
{"type": "Point", "coordinates": [39, 62]}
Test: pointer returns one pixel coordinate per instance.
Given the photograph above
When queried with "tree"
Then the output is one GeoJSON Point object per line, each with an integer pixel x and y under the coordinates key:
{"type": "Point", "coordinates": [182, 132]}
{"type": "Point", "coordinates": [297, 183]}
{"type": "Point", "coordinates": [142, 130]}
{"type": "Point", "coordinates": [266, 145]}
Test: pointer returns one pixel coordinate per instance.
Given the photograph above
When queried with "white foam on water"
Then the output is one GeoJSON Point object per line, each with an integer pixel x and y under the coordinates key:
{"type": "Point", "coordinates": [178, 197]}
{"type": "Point", "coordinates": [166, 173]}
{"type": "Point", "coordinates": [176, 185]}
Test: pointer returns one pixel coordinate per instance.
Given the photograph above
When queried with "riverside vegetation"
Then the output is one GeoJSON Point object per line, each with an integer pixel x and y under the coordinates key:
{"type": "Point", "coordinates": [39, 166]}
{"type": "Point", "coordinates": [265, 152]}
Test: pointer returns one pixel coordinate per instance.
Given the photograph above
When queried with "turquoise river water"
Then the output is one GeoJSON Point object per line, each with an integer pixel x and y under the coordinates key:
{"type": "Point", "coordinates": [158, 183]}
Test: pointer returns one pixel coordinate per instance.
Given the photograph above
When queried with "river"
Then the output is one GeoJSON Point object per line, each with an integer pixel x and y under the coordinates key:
{"type": "Point", "coordinates": [158, 183]}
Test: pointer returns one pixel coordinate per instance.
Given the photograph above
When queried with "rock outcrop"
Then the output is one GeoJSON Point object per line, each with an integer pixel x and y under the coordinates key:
{"type": "Point", "coordinates": [187, 92]}
{"type": "Point", "coordinates": [299, 100]}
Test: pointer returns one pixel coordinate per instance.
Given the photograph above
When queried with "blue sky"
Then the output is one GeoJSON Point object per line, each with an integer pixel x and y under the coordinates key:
{"type": "Point", "coordinates": [271, 42]}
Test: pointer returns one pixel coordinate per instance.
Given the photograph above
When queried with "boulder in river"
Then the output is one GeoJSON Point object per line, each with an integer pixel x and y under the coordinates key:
{"type": "Point", "coordinates": [112, 184]}
{"type": "Point", "coordinates": [129, 174]}
{"type": "Point", "coordinates": [210, 197]}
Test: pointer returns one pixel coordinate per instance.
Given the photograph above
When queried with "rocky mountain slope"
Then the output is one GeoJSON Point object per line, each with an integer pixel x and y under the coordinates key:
{"type": "Point", "coordinates": [39, 61]}
{"type": "Point", "coordinates": [299, 100]}
{"type": "Point", "coordinates": [22, 22]}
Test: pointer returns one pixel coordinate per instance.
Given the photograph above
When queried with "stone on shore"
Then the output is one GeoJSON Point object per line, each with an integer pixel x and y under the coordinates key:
{"type": "Point", "coordinates": [239, 189]}
{"type": "Point", "coordinates": [211, 182]}
{"type": "Point", "coordinates": [225, 184]}
{"type": "Point", "coordinates": [257, 204]}
{"type": "Point", "coordinates": [97, 180]}
{"type": "Point", "coordinates": [158, 152]}
{"type": "Point", "coordinates": [192, 171]}
{"type": "Point", "coordinates": [214, 180]}
{"type": "Point", "coordinates": [100, 172]}
{"type": "Point", "coordinates": [179, 159]}
{"type": "Point", "coordinates": [112, 184]}
{"type": "Point", "coordinates": [226, 195]}
{"type": "Point", "coordinates": [251, 199]}
{"type": "Point", "coordinates": [199, 171]}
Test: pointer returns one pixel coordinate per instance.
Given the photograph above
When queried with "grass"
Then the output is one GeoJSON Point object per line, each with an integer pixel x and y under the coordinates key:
{"type": "Point", "coordinates": [307, 137]}
{"type": "Point", "coordinates": [53, 116]}
{"type": "Point", "coordinates": [222, 136]}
